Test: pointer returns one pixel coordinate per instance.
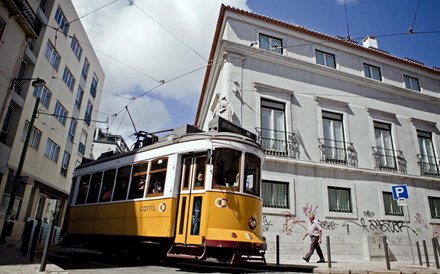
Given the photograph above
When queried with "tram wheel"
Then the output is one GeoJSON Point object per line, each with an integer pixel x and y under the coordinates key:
{"type": "Point", "coordinates": [224, 258]}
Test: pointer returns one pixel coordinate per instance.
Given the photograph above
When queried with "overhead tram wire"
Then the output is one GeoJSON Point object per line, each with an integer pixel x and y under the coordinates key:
{"type": "Point", "coordinates": [411, 29]}
{"type": "Point", "coordinates": [346, 20]}
{"type": "Point", "coordinates": [174, 35]}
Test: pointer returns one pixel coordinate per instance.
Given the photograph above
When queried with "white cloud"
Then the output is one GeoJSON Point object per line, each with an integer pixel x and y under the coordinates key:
{"type": "Point", "coordinates": [133, 35]}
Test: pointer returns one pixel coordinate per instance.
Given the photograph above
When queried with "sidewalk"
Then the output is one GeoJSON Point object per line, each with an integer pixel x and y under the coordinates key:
{"type": "Point", "coordinates": [369, 267]}
{"type": "Point", "coordinates": [12, 261]}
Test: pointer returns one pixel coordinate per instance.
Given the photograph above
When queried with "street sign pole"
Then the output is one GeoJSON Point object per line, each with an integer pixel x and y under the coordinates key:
{"type": "Point", "coordinates": [407, 229]}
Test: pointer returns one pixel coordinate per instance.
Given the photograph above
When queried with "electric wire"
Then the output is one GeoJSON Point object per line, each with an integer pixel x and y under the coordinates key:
{"type": "Point", "coordinates": [174, 35]}
{"type": "Point", "coordinates": [411, 29]}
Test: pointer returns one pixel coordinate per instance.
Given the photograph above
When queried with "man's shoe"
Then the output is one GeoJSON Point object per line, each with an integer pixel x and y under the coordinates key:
{"type": "Point", "coordinates": [305, 259]}
{"type": "Point", "coordinates": [321, 261]}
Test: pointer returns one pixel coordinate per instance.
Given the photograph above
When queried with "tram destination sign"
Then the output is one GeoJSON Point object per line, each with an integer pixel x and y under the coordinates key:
{"type": "Point", "coordinates": [219, 124]}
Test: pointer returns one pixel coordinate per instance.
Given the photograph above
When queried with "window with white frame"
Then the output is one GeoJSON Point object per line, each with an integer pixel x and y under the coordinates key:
{"type": "Point", "coordinates": [65, 163]}
{"type": "Point", "coordinates": [7, 123]}
{"type": "Point", "coordinates": [79, 96]}
{"type": "Point", "coordinates": [275, 194]}
{"type": "Point", "coordinates": [2, 27]}
{"type": "Point", "coordinates": [428, 160]}
{"type": "Point", "coordinates": [411, 83]}
{"type": "Point", "coordinates": [72, 130]}
{"type": "Point", "coordinates": [339, 199]}
{"type": "Point", "coordinates": [88, 114]}
{"type": "Point", "coordinates": [325, 59]}
{"type": "Point", "coordinates": [372, 72]}
{"type": "Point", "coordinates": [21, 74]}
{"type": "Point", "coordinates": [334, 141]}
{"type": "Point", "coordinates": [52, 150]}
{"type": "Point", "coordinates": [76, 47]}
{"type": "Point", "coordinates": [60, 113]}
{"type": "Point", "coordinates": [94, 86]}
{"type": "Point", "coordinates": [85, 69]}
{"type": "Point", "coordinates": [61, 19]}
{"type": "Point", "coordinates": [273, 131]}
{"type": "Point", "coordinates": [52, 55]}
{"type": "Point", "coordinates": [82, 143]}
{"type": "Point", "coordinates": [44, 94]}
{"type": "Point", "coordinates": [390, 205]}
{"type": "Point", "coordinates": [271, 43]}
{"type": "Point", "coordinates": [384, 153]}
{"type": "Point", "coordinates": [434, 207]}
{"type": "Point", "coordinates": [68, 78]}
{"type": "Point", "coordinates": [34, 138]}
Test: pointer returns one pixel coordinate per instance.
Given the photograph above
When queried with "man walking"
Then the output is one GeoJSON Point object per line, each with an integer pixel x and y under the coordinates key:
{"type": "Point", "coordinates": [315, 233]}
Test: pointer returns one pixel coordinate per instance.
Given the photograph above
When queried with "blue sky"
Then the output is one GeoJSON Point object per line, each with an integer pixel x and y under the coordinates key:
{"type": "Point", "coordinates": [166, 40]}
{"type": "Point", "coordinates": [367, 17]}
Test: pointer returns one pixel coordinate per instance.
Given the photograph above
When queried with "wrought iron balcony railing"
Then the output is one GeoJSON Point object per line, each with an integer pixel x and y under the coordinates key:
{"type": "Point", "coordinates": [429, 165]}
{"type": "Point", "coordinates": [28, 20]}
{"type": "Point", "coordinates": [338, 152]}
{"type": "Point", "coordinates": [278, 143]}
{"type": "Point", "coordinates": [389, 160]}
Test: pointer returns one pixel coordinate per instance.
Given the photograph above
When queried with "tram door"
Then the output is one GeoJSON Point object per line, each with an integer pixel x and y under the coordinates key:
{"type": "Point", "coordinates": [190, 217]}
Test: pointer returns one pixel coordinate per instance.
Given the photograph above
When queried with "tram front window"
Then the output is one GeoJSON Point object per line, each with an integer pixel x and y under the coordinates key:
{"type": "Point", "coordinates": [252, 168]}
{"type": "Point", "coordinates": [226, 167]}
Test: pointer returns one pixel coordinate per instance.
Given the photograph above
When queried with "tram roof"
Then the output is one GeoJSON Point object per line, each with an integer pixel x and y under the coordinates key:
{"type": "Point", "coordinates": [173, 139]}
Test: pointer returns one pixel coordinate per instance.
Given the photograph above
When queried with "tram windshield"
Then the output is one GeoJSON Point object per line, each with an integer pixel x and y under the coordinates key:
{"type": "Point", "coordinates": [227, 167]}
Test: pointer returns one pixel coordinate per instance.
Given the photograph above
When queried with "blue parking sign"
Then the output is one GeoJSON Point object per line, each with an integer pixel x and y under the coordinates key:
{"type": "Point", "coordinates": [400, 192]}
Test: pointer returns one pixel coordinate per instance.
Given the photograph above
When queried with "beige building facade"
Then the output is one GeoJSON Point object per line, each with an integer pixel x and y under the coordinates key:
{"type": "Point", "coordinates": [43, 40]}
{"type": "Point", "coordinates": [342, 123]}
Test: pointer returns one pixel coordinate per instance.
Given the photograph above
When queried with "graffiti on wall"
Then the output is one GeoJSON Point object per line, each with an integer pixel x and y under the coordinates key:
{"type": "Point", "coordinates": [266, 224]}
{"type": "Point", "coordinates": [290, 222]}
{"type": "Point", "coordinates": [378, 225]}
{"type": "Point", "coordinates": [310, 209]}
{"type": "Point", "coordinates": [420, 223]}
{"type": "Point", "coordinates": [436, 231]}
{"type": "Point", "coordinates": [328, 225]}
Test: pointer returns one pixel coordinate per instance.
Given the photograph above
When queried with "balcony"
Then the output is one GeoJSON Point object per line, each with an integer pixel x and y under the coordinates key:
{"type": "Point", "coordinates": [26, 18]}
{"type": "Point", "coordinates": [429, 165]}
{"type": "Point", "coordinates": [278, 143]}
{"type": "Point", "coordinates": [389, 160]}
{"type": "Point", "coordinates": [338, 152]}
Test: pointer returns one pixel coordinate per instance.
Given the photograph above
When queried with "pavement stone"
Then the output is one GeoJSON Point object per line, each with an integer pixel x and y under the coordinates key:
{"type": "Point", "coordinates": [12, 261]}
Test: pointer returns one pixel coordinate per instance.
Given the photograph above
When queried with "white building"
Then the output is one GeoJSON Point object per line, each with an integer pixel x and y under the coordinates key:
{"type": "Point", "coordinates": [340, 123]}
{"type": "Point", "coordinates": [50, 47]}
{"type": "Point", "coordinates": [107, 143]}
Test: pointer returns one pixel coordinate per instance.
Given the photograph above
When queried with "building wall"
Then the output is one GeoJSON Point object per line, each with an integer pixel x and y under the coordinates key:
{"type": "Point", "coordinates": [50, 185]}
{"type": "Point", "coordinates": [293, 78]}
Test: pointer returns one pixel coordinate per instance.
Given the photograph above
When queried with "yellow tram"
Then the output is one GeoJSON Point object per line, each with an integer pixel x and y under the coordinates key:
{"type": "Point", "coordinates": [192, 196]}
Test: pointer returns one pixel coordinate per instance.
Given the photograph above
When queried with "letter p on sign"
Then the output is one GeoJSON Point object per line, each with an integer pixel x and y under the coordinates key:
{"type": "Point", "coordinates": [400, 192]}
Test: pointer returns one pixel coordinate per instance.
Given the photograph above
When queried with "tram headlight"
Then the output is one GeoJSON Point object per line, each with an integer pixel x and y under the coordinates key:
{"type": "Point", "coordinates": [252, 223]}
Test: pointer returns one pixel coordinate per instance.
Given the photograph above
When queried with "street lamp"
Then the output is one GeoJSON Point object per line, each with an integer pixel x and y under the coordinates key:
{"type": "Point", "coordinates": [37, 82]}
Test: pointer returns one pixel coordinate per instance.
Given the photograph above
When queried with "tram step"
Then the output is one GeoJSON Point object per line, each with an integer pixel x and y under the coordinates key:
{"type": "Point", "coordinates": [186, 252]}
{"type": "Point", "coordinates": [248, 259]}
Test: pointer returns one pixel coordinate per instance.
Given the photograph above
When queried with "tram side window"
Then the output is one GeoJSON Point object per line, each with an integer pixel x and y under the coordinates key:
{"type": "Point", "coordinates": [252, 169]}
{"type": "Point", "coordinates": [200, 172]}
{"type": "Point", "coordinates": [82, 192]}
{"type": "Point", "coordinates": [158, 172]}
{"type": "Point", "coordinates": [226, 167]}
{"type": "Point", "coordinates": [186, 172]}
{"type": "Point", "coordinates": [138, 181]}
{"type": "Point", "coordinates": [95, 186]}
{"type": "Point", "coordinates": [107, 185]}
{"type": "Point", "coordinates": [121, 186]}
